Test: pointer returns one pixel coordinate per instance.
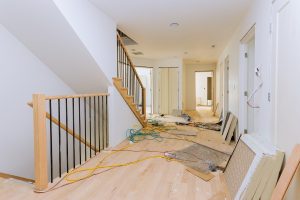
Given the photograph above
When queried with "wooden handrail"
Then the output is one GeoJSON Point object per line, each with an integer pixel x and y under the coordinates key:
{"type": "Point", "coordinates": [130, 62]}
{"type": "Point", "coordinates": [70, 131]}
{"type": "Point", "coordinates": [72, 96]}
{"type": "Point", "coordinates": [76, 96]}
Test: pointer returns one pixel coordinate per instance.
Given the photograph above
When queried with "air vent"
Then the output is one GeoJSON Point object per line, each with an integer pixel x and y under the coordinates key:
{"type": "Point", "coordinates": [126, 39]}
{"type": "Point", "coordinates": [137, 53]}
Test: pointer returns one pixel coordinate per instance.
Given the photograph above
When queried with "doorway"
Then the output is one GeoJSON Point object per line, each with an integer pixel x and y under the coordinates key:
{"type": "Point", "coordinates": [146, 76]}
{"type": "Point", "coordinates": [204, 90]}
{"type": "Point", "coordinates": [168, 87]}
{"type": "Point", "coordinates": [248, 44]}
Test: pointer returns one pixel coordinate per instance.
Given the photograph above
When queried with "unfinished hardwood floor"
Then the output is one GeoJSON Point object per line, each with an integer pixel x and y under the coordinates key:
{"type": "Point", "coordinates": [156, 178]}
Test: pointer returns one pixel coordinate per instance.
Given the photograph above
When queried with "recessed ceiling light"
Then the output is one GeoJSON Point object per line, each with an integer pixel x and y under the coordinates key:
{"type": "Point", "coordinates": [174, 24]}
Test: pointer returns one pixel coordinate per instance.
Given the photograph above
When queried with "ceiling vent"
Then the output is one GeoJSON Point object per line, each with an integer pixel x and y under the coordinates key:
{"type": "Point", "coordinates": [126, 39]}
{"type": "Point", "coordinates": [137, 53]}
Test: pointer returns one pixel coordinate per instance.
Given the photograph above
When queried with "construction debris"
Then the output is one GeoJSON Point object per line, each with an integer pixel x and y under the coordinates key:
{"type": "Point", "coordinates": [201, 160]}
{"type": "Point", "coordinates": [287, 175]}
{"type": "Point", "coordinates": [252, 170]}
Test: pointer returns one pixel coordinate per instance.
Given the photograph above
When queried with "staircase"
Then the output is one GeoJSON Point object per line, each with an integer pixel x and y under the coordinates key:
{"type": "Point", "coordinates": [129, 84]}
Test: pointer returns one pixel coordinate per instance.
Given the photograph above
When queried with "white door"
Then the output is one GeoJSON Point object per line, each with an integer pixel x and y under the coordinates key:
{"type": "Point", "coordinates": [226, 87]}
{"type": "Point", "coordinates": [286, 71]}
{"type": "Point", "coordinates": [168, 90]}
{"type": "Point", "coordinates": [250, 84]}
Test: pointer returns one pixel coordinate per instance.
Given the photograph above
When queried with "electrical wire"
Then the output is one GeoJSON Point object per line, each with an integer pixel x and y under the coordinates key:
{"type": "Point", "coordinates": [150, 133]}
{"type": "Point", "coordinates": [255, 91]}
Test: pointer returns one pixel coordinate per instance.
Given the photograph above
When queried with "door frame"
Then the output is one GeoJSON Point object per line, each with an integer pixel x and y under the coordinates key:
{"type": "Point", "coordinates": [277, 5]}
{"type": "Point", "coordinates": [212, 88]}
{"type": "Point", "coordinates": [243, 113]}
{"type": "Point", "coordinates": [151, 85]}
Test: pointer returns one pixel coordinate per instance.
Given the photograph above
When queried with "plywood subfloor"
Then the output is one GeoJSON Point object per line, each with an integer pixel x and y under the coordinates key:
{"type": "Point", "coordinates": [152, 179]}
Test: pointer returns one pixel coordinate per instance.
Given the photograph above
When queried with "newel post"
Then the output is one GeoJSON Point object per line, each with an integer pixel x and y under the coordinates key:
{"type": "Point", "coordinates": [40, 141]}
{"type": "Point", "coordinates": [144, 101]}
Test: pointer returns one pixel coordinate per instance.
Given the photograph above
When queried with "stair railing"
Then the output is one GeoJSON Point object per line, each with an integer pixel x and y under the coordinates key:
{"type": "Point", "coordinates": [130, 78]}
{"type": "Point", "coordinates": [76, 130]}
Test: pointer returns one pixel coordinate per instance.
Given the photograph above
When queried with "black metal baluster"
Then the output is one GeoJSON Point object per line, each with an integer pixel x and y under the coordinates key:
{"type": "Point", "coordinates": [85, 128]}
{"type": "Point", "coordinates": [79, 119]}
{"type": "Point", "coordinates": [95, 126]}
{"type": "Point", "coordinates": [67, 142]}
{"type": "Point", "coordinates": [99, 131]}
{"type": "Point", "coordinates": [90, 118]}
{"type": "Point", "coordinates": [59, 139]}
{"type": "Point", "coordinates": [103, 139]}
{"type": "Point", "coordinates": [73, 113]}
{"type": "Point", "coordinates": [51, 153]}
{"type": "Point", "coordinates": [117, 57]}
{"type": "Point", "coordinates": [106, 122]}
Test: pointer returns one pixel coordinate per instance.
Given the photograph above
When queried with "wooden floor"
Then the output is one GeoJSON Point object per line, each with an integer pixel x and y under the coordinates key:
{"type": "Point", "coordinates": [152, 179]}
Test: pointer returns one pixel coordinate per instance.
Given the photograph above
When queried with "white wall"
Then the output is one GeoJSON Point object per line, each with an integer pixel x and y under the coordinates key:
{"type": "Point", "coordinates": [189, 91]}
{"type": "Point", "coordinates": [260, 15]}
{"type": "Point", "coordinates": [21, 75]}
{"type": "Point", "coordinates": [41, 27]}
{"type": "Point", "coordinates": [97, 31]}
{"type": "Point", "coordinates": [286, 129]}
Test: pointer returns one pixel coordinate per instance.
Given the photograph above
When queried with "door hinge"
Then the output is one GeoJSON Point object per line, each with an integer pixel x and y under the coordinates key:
{"type": "Point", "coordinates": [270, 28]}
{"type": "Point", "coordinates": [246, 55]}
{"type": "Point", "coordinates": [246, 93]}
{"type": "Point", "coordinates": [269, 96]}
{"type": "Point", "coordinates": [245, 131]}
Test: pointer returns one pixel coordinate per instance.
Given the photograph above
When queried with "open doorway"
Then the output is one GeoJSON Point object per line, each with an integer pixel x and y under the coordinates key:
{"type": "Point", "coordinates": [204, 90]}
{"type": "Point", "coordinates": [146, 76]}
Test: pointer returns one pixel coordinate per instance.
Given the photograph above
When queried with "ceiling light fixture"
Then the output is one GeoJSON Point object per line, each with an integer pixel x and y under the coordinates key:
{"type": "Point", "coordinates": [174, 25]}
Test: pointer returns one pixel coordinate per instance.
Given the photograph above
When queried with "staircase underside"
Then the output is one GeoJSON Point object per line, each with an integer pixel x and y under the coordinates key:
{"type": "Point", "coordinates": [130, 102]}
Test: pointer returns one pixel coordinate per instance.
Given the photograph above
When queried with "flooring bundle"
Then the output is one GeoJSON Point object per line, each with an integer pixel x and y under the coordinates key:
{"type": "Point", "coordinates": [253, 169]}
{"type": "Point", "coordinates": [229, 127]}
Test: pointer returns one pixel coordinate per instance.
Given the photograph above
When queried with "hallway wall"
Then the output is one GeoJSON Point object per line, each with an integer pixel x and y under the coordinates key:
{"type": "Point", "coordinates": [98, 33]}
{"type": "Point", "coordinates": [284, 133]}
{"type": "Point", "coordinates": [260, 16]}
{"type": "Point", "coordinates": [21, 75]}
{"type": "Point", "coordinates": [189, 90]}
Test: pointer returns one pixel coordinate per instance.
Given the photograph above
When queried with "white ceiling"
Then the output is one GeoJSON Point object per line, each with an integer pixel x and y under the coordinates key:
{"type": "Point", "coordinates": [41, 27]}
{"type": "Point", "coordinates": [202, 24]}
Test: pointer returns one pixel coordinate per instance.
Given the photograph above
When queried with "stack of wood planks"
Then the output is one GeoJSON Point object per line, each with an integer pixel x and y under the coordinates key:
{"type": "Point", "coordinates": [229, 126]}
{"type": "Point", "coordinates": [257, 166]}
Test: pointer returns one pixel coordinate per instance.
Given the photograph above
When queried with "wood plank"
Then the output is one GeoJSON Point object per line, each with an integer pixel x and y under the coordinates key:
{"type": "Point", "coordinates": [40, 142]}
{"type": "Point", "coordinates": [227, 126]}
{"type": "Point", "coordinates": [231, 130]}
{"type": "Point", "coordinates": [204, 176]}
{"type": "Point", "coordinates": [271, 183]}
{"type": "Point", "coordinates": [8, 176]}
{"type": "Point", "coordinates": [287, 174]}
